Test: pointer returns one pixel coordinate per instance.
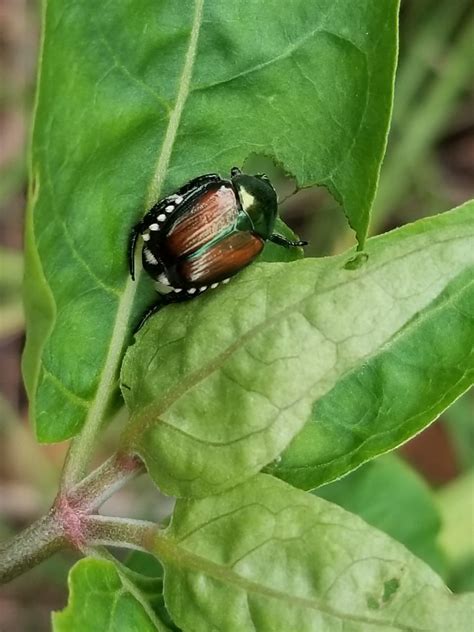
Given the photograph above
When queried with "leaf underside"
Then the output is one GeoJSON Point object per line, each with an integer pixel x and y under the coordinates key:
{"type": "Point", "coordinates": [217, 388]}
{"type": "Point", "coordinates": [406, 384]}
{"type": "Point", "coordinates": [265, 557]}
{"type": "Point", "coordinates": [382, 491]}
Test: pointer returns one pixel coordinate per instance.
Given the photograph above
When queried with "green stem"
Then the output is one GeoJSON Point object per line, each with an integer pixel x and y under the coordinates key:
{"type": "Point", "coordinates": [66, 523]}
{"type": "Point", "coordinates": [120, 532]}
{"type": "Point", "coordinates": [30, 547]}
{"type": "Point", "coordinates": [111, 476]}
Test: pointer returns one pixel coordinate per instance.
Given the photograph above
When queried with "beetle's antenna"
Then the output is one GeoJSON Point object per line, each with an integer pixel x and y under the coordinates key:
{"type": "Point", "coordinates": [132, 244]}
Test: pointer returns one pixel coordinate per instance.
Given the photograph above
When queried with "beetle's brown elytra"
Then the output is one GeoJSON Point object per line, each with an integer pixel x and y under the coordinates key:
{"type": "Point", "coordinates": [205, 233]}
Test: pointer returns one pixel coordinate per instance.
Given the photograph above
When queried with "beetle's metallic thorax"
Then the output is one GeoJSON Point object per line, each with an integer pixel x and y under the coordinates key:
{"type": "Point", "coordinates": [259, 202]}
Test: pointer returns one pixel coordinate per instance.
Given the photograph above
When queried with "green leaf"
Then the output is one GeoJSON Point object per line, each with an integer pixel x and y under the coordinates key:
{"type": "Point", "coordinates": [265, 557]}
{"type": "Point", "coordinates": [144, 564]}
{"type": "Point", "coordinates": [103, 598]}
{"type": "Point", "coordinates": [462, 578]}
{"type": "Point", "coordinates": [218, 387]}
{"type": "Point", "coordinates": [146, 572]}
{"type": "Point", "coordinates": [390, 496]}
{"type": "Point", "coordinates": [125, 114]}
{"type": "Point", "coordinates": [415, 373]}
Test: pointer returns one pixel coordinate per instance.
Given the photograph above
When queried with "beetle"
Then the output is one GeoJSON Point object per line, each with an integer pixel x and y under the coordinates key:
{"type": "Point", "coordinates": [205, 233]}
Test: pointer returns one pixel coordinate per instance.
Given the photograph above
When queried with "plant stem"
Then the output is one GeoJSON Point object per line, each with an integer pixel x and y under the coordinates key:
{"type": "Point", "coordinates": [66, 523]}
{"type": "Point", "coordinates": [122, 532]}
{"type": "Point", "coordinates": [30, 547]}
{"type": "Point", "coordinates": [103, 482]}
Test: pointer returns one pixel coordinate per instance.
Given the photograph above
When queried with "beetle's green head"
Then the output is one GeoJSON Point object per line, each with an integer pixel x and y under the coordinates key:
{"type": "Point", "coordinates": [258, 200]}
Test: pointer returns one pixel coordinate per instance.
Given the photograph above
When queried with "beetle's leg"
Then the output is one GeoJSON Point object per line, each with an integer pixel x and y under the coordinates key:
{"type": "Point", "coordinates": [149, 312]}
{"type": "Point", "coordinates": [166, 299]}
{"type": "Point", "coordinates": [132, 244]}
{"type": "Point", "coordinates": [287, 243]}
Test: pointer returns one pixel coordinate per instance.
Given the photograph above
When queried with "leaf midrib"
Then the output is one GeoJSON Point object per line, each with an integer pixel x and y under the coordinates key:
{"type": "Point", "coordinates": [169, 551]}
{"type": "Point", "coordinates": [82, 445]}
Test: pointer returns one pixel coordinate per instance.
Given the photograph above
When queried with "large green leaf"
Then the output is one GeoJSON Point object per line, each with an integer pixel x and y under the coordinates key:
{"type": "Point", "coordinates": [265, 557]}
{"type": "Point", "coordinates": [139, 96]}
{"type": "Point", "coordinates": [101, 597]}
{"type": "Point", "coordinates": [217, 388]}
{"type": "Point", "coordinates": [411, 378]}
{"type": "Point", "coordinates": [390, 496]}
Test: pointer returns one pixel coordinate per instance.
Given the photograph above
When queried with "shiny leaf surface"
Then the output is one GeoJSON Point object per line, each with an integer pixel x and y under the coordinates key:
{"type": "Point", "coordinates": [125, 115]}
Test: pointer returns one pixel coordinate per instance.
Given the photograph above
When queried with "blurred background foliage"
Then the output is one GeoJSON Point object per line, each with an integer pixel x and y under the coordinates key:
{"type": "Point", "coordinates": [424, 494]}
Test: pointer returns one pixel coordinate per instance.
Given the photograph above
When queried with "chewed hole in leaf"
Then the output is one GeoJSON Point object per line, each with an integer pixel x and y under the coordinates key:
{"type": "Point", "coordinates": [390, 587]}
{"type": "Point", "coordinates": [311, 212]}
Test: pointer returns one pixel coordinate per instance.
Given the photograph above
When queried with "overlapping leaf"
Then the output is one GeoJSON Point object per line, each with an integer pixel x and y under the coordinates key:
{"type": "Point", "coordinates": [406, 384]}
{"type": "Point", "coordinates": [265, 557]}
{"type": "Point", "coordinates": [381, 492]}
{"type": "Point", "coordinates": [217, 388]}
{"type": "Point", "coordinates": [139, 96]}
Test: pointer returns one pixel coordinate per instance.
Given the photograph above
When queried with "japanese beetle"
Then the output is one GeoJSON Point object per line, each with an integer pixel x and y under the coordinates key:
{"type": "Point", "coordinates": [205, 232]}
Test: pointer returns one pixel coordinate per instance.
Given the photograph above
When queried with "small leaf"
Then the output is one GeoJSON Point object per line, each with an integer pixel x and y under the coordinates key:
{"type": "Point", "coordinates": [103, 598]}
{"type": "Point", "coordinates": [218, 387]}
{"type": "Point", "coordinates": [381, 492]}
{"type": "Point", "coordinates": [265, 557]}
{"type": "Point", "coordinates": [125, 115]}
